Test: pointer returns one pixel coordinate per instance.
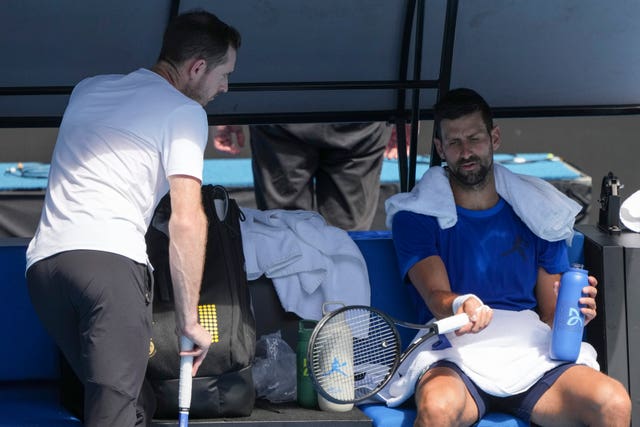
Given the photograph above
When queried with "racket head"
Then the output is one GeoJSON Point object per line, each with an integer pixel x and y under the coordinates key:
{"type": "Point", "coordinates": [352, 353]}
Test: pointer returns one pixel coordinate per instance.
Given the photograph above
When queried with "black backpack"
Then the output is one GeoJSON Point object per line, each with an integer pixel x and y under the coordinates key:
{"type": "Point", "coordinates": [224, 383]}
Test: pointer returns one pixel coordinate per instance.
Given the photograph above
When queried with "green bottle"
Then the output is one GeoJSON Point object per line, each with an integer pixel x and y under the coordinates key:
{"type": "Point", "coordinates": [306, 393]}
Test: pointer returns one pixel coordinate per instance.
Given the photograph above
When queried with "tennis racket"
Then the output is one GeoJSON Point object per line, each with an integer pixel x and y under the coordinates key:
{"type": "Point", "coordinates": [184, 387]}
{"type": "Point", "coordinates": [355, 350]}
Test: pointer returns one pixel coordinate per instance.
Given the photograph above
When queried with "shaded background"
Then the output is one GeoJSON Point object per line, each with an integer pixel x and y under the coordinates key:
{"type": "Point", "coordinates": [594, 145]}
{"type": "Point", "coordinates": [571, 66]}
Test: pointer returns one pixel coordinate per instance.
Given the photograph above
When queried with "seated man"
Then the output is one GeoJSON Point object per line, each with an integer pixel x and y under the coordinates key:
{"type": "Point", "coordinates": [486, 256]}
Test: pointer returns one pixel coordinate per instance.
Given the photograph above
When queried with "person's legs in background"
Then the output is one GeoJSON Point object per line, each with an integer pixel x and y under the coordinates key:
{"type": "Point", "coordinates": [348, 178]}
{"type": "Point", "coordinates": [283, 166]}
{"type": "Point", "coordinates": [332, 168]}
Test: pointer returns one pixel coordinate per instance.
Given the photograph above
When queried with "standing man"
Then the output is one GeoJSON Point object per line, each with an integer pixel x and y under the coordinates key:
{"type": "Point", "coordinates": [487, 260]}
{"type": "Point", "coordinates": [332, 168]}
{"type": "Point", "coordinates": [124, 141]}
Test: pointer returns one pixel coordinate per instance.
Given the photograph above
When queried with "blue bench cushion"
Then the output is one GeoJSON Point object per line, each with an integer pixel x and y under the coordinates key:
{"type": "Point", "coordinates": [404, 417]}
{"type": "Point", "coordinates": [388, 292]}
{"type": "Point", "coordinates": [36, 356]}
{"type": "Point", "coordinates": [26, 403]}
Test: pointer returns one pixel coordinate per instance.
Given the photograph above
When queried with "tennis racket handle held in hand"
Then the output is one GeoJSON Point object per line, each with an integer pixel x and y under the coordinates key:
{"type": "Point", "coordinates": [354, 352]}
{"type": "Point", "coordinates": [184, 389]}
{"type": "Point", "coordinates": [452, 323]}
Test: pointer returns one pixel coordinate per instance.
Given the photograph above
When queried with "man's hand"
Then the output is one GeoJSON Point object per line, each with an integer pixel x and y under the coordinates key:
{"type": "Point", "coordinates": [201, 339]}
{"type": "Point", "coordinates": [391, 150]}
{"type": "Point", "coordinates": [589, 302]}
{"type": "Point", "coordinates": [480, 316]}
{"type": "Point", "coordinates": [224, 139]}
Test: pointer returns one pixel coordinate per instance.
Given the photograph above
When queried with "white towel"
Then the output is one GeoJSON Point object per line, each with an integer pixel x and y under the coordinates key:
{"type": "Point", "coordinates": [630, 212]}
{"type": "Point", "coordinates": [309, 262]}
{"type": "Point", "coordinates": [547, 212]}
{"type": "Point", "coordinates": [506, 358]}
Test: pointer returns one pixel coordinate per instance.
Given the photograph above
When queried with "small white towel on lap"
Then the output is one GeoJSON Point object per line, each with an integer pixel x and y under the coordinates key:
{"type": "Point", "coordinates": [547, 212]}
{"type": "Point", "coordinates": [506, 358]}
{"type": "Point", "coordinates": [308, 261]}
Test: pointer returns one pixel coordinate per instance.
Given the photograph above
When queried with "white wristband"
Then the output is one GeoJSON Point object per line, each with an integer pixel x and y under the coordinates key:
{"type": "Point", "coordinates": [459, 300]}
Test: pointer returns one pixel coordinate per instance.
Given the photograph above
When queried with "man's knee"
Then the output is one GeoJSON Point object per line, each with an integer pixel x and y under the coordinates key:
{"type": "Point", "coordinates": [612, 405]}
{"type": "Point", "coordinates": [587, 397]}
{"type": "Point", "coordinates": [443, 410]}
{"type": "Point", "coordinates": [443, 400]}
{"type": "Point", "coordinates": [438, 411]}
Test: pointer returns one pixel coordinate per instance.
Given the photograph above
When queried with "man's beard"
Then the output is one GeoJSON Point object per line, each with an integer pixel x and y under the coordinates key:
{"type": "Point", "coordinates": [471, 179]}
{"type": "Point", "coordinates": [197, 93]}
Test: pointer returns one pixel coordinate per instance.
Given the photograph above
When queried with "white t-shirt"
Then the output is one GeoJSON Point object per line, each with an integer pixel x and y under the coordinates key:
{"type": "Point", "coordinates": [120, 138]}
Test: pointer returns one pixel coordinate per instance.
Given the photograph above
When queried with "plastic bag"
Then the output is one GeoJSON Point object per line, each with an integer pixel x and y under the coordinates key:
{"type": "Point", "coordinates": [274, 369]}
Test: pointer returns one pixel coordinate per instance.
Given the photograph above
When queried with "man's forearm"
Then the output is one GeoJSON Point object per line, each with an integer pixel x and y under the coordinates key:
{"type": "Point", "coordinates": [440, 303]}
{"type": "Point", "coordinates": [430, 279]}
{"type": "Point", "coordinates": [187, 246]}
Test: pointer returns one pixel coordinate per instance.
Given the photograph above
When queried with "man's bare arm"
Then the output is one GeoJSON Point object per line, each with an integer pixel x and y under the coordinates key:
{"type": "Point", "coordinates": [430, 278]}
{"type": "Point", "coordinates": [187, 242]}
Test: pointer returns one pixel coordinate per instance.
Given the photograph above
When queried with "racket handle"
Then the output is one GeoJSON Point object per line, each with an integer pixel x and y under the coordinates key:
{"type": "Point", "coordinates": [184, 388]}
{"type": "Point", "coordinates": [452, 323]}
{"type": "Point", "coordinates": [183, 419]}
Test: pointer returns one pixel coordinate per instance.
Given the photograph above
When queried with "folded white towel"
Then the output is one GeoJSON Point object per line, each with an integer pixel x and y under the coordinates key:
{"type": "Point", "coordinates": [547, 212]}
{"type": "Point", "coordinates": [506, 358]}
{"type": "Point", "coordinates": [308, 261]}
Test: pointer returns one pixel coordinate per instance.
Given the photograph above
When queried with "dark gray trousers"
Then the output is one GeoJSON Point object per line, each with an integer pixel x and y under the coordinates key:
{"type": "Point", "coordinates": [97, 308]}
{"type": "Point", "coordinates": [333, 168]}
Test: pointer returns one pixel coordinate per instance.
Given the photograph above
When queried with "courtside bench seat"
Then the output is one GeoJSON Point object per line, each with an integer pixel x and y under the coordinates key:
{"type": "Point", "coordinates": [30, 362]}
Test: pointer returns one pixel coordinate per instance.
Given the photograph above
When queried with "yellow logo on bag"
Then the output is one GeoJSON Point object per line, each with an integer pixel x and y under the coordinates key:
{"type": "Point", "coordinates": [152, 348]}
{"type": "Point", "coordinates": [208, 317]}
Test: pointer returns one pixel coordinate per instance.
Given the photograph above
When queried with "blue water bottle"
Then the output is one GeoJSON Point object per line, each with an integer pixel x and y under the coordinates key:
{"type": "Point", "coordinates": [568, 323]}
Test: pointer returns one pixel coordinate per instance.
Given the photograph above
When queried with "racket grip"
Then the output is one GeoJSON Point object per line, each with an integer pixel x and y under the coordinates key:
{"type": "Point", "coordinates": [183, 419]}
{"type": "Point", "coordinates": [184, 389]}
{"type": "Point", "coordinates": [452, 323]}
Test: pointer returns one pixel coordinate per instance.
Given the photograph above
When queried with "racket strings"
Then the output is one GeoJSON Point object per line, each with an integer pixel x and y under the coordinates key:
{"type": "Point", "coordinates": [353, 354]}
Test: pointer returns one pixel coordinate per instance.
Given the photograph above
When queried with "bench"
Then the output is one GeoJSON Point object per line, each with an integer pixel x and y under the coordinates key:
{"type": "Point", "coordinates": [30, 362]}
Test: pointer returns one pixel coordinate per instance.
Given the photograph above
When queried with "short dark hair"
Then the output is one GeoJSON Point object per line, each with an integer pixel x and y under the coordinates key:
{"type": "Point", "coordinates": [198, 34]}
{"type": "Point", "coordinates": [461, 102]}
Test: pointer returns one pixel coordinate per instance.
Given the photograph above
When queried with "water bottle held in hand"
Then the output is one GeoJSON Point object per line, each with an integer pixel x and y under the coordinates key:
{"type": "Point", "coordinates": [568, 323]}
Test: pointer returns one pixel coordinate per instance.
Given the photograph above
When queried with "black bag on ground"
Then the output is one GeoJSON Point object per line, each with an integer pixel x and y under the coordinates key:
{"type": "Point", "coordinates": [224, 385]}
